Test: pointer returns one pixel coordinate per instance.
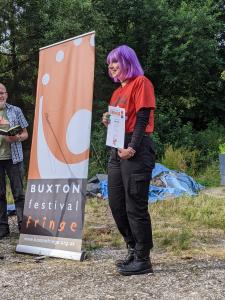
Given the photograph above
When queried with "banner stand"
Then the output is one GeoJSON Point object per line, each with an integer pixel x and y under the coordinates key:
{"type": "Point", "coordinates": [81, 256]}
{"type": "Point", "coordinates": [54, 206]}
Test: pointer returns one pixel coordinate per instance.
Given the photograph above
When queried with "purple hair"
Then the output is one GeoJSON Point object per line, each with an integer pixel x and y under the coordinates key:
{"type": "Point", "coordinates": [128, 62]}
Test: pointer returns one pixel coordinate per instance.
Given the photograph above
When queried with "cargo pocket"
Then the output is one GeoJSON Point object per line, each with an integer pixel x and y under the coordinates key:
{"type": "Point", "coordinates": [139, 183]}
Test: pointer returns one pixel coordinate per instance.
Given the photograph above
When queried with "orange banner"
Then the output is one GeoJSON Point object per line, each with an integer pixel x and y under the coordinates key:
{"type": "Point", "coordinates": [58, 170]}
{"type": "Point", "coordinates": [61, 135]}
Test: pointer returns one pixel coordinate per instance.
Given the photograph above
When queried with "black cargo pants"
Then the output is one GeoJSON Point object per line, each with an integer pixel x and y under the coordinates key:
{"type": "Point", "coordinates": [128, 186]}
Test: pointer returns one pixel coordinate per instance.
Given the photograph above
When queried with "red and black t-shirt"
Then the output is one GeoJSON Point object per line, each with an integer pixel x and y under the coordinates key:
{"type": "Point", "coordinates": [136, 94]}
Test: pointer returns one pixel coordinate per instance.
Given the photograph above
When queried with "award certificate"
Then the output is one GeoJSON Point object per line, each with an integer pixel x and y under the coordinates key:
{"type": "Point", "coordinates": [116, 127]}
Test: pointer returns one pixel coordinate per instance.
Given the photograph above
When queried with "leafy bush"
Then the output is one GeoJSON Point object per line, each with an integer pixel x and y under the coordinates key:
{"type": "Point", "coordinates": [174, 159]}
{"type": "Point", "coordinates": [207, 142]}
{"type": "Point", "coordinates": [198, 148]}
{"type": "Point", "coordinates": [222, 148]}
{"type": "Point", "coordinates": [181, 159]}
{"type": "Point", "coordinates": [210, 176]}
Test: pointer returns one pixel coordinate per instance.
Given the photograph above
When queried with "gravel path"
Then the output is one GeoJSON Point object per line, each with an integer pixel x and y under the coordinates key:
{"type": "Point", "coordinates": [25, 277]}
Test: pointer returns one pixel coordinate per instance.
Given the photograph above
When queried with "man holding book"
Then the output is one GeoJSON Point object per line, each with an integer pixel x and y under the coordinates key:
{"type": "Point", "coordinates": [11, 159]}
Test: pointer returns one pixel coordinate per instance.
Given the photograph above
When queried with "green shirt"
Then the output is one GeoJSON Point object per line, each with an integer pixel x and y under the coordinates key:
{"type": "Point", "coordinates": [5, 149]}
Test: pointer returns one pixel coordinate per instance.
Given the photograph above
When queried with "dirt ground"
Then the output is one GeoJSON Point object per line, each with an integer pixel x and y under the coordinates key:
{"type": "Point", "coordinates": [28, 277]}
{"type": "Point", "coordinates": [218, 192]}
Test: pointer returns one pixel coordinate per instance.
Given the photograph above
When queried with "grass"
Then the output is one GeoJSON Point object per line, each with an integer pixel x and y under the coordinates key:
{"type": "Point", "coordinates": [188, 223]}
{"type": "Point", "coordinates": [183, 225]}
{"type": "Point", "coordinates": [211, 176]}
{"type": "Point", "coordinates": [99, 229]}
{"type": "Point", "coordinates": [180, 226]}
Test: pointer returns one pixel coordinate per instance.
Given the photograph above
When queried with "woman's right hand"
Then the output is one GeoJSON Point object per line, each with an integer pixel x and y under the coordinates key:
{"type": "Point", "coordinates": [106, 118]}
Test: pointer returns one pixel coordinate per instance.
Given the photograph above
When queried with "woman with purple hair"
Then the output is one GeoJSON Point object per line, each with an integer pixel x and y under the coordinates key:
{"type": "Point", "coordinates": [130, 169]}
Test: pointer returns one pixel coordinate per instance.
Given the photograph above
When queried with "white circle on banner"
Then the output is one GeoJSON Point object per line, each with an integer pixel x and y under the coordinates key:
{"type": "Point", "coordinates": [59, 56]}
{"type": "Point", "coordinates": [45, 79]}
{"type": "Point", "coordinates": [92, 40]}
{"type": "Point", "coordinates": [77, 42]}
{"type": "Point", "coordinates": [78, 131]}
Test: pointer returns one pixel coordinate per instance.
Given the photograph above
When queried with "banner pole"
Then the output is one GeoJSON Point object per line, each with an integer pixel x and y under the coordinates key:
{"type": "Point", "coordinates": [70, 39]}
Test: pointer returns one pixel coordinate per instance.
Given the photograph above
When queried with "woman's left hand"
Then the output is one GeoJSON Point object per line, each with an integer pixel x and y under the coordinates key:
{"type": "Point", "coordinates": [126, 153]}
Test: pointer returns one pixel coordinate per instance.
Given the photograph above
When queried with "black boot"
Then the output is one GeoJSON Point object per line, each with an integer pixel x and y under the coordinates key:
{"type": "Point", "coordinates": [136, 267]}
{"type": "Point", "coordinates": [127, 259]}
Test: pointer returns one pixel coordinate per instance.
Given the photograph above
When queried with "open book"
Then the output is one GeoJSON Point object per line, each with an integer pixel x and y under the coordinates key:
{"type": "Point", "coordinates": [11, 131]}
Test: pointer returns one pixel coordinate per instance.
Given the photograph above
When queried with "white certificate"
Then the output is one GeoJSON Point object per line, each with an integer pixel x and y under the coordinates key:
{"type": "Point", "coordinates": [116, 127]}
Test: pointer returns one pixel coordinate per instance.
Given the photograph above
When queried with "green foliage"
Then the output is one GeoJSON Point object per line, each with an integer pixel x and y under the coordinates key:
{"type": "Point", "coordinates": [222, 148]}
{"type": "Point", "coordinates": [205, 142]}
{"type": "Point", "coordinates": [209, 176]}
{"type": "Point", "coordinates": [180, 45]}
{"type": "Point", "coordinates": [174, 159]}
{"type": "Point", "coordinates": [186, 61]}
{"type": "Point", "coordinates": [208, 141]}
{"type": "Point", "coordinates": [181, 159]}
{"type": "Point", "coordinates": [171, 129]}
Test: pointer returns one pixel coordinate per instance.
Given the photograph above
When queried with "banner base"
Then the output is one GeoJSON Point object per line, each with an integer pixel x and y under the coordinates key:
{"type": "Point", "coordinates": [51, 252]}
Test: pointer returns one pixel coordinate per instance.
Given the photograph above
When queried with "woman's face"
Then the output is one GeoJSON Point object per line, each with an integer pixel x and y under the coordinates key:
{"type": "Point", "coordinates": [114, 69]}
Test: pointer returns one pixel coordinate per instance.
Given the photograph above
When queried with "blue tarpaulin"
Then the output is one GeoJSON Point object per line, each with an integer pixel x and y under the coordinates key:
{"type": "Point", "coordinates": [175, 184]}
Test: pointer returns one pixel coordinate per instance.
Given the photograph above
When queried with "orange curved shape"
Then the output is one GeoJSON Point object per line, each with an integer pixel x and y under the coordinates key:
{"type": "Point", "coordinates": [69, 89]}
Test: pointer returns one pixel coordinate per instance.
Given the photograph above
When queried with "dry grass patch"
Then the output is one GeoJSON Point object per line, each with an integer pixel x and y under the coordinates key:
{"type": "Point", "coordinates": [183, 225]}
{"type": "Point", "coordinates": [193, 225]}
{"type": "Point", "coordinates": [188, 223]}
{"type": "Point", "coordinates": [99, 228]}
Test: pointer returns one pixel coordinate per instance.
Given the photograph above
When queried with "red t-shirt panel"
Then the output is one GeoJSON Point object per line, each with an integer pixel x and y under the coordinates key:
{"type": "Point", "coordinates": [136, 94]}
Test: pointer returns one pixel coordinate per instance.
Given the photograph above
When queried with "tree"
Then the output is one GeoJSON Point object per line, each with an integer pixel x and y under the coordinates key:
{"type": "Point", "coordinates": [180, 44]}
